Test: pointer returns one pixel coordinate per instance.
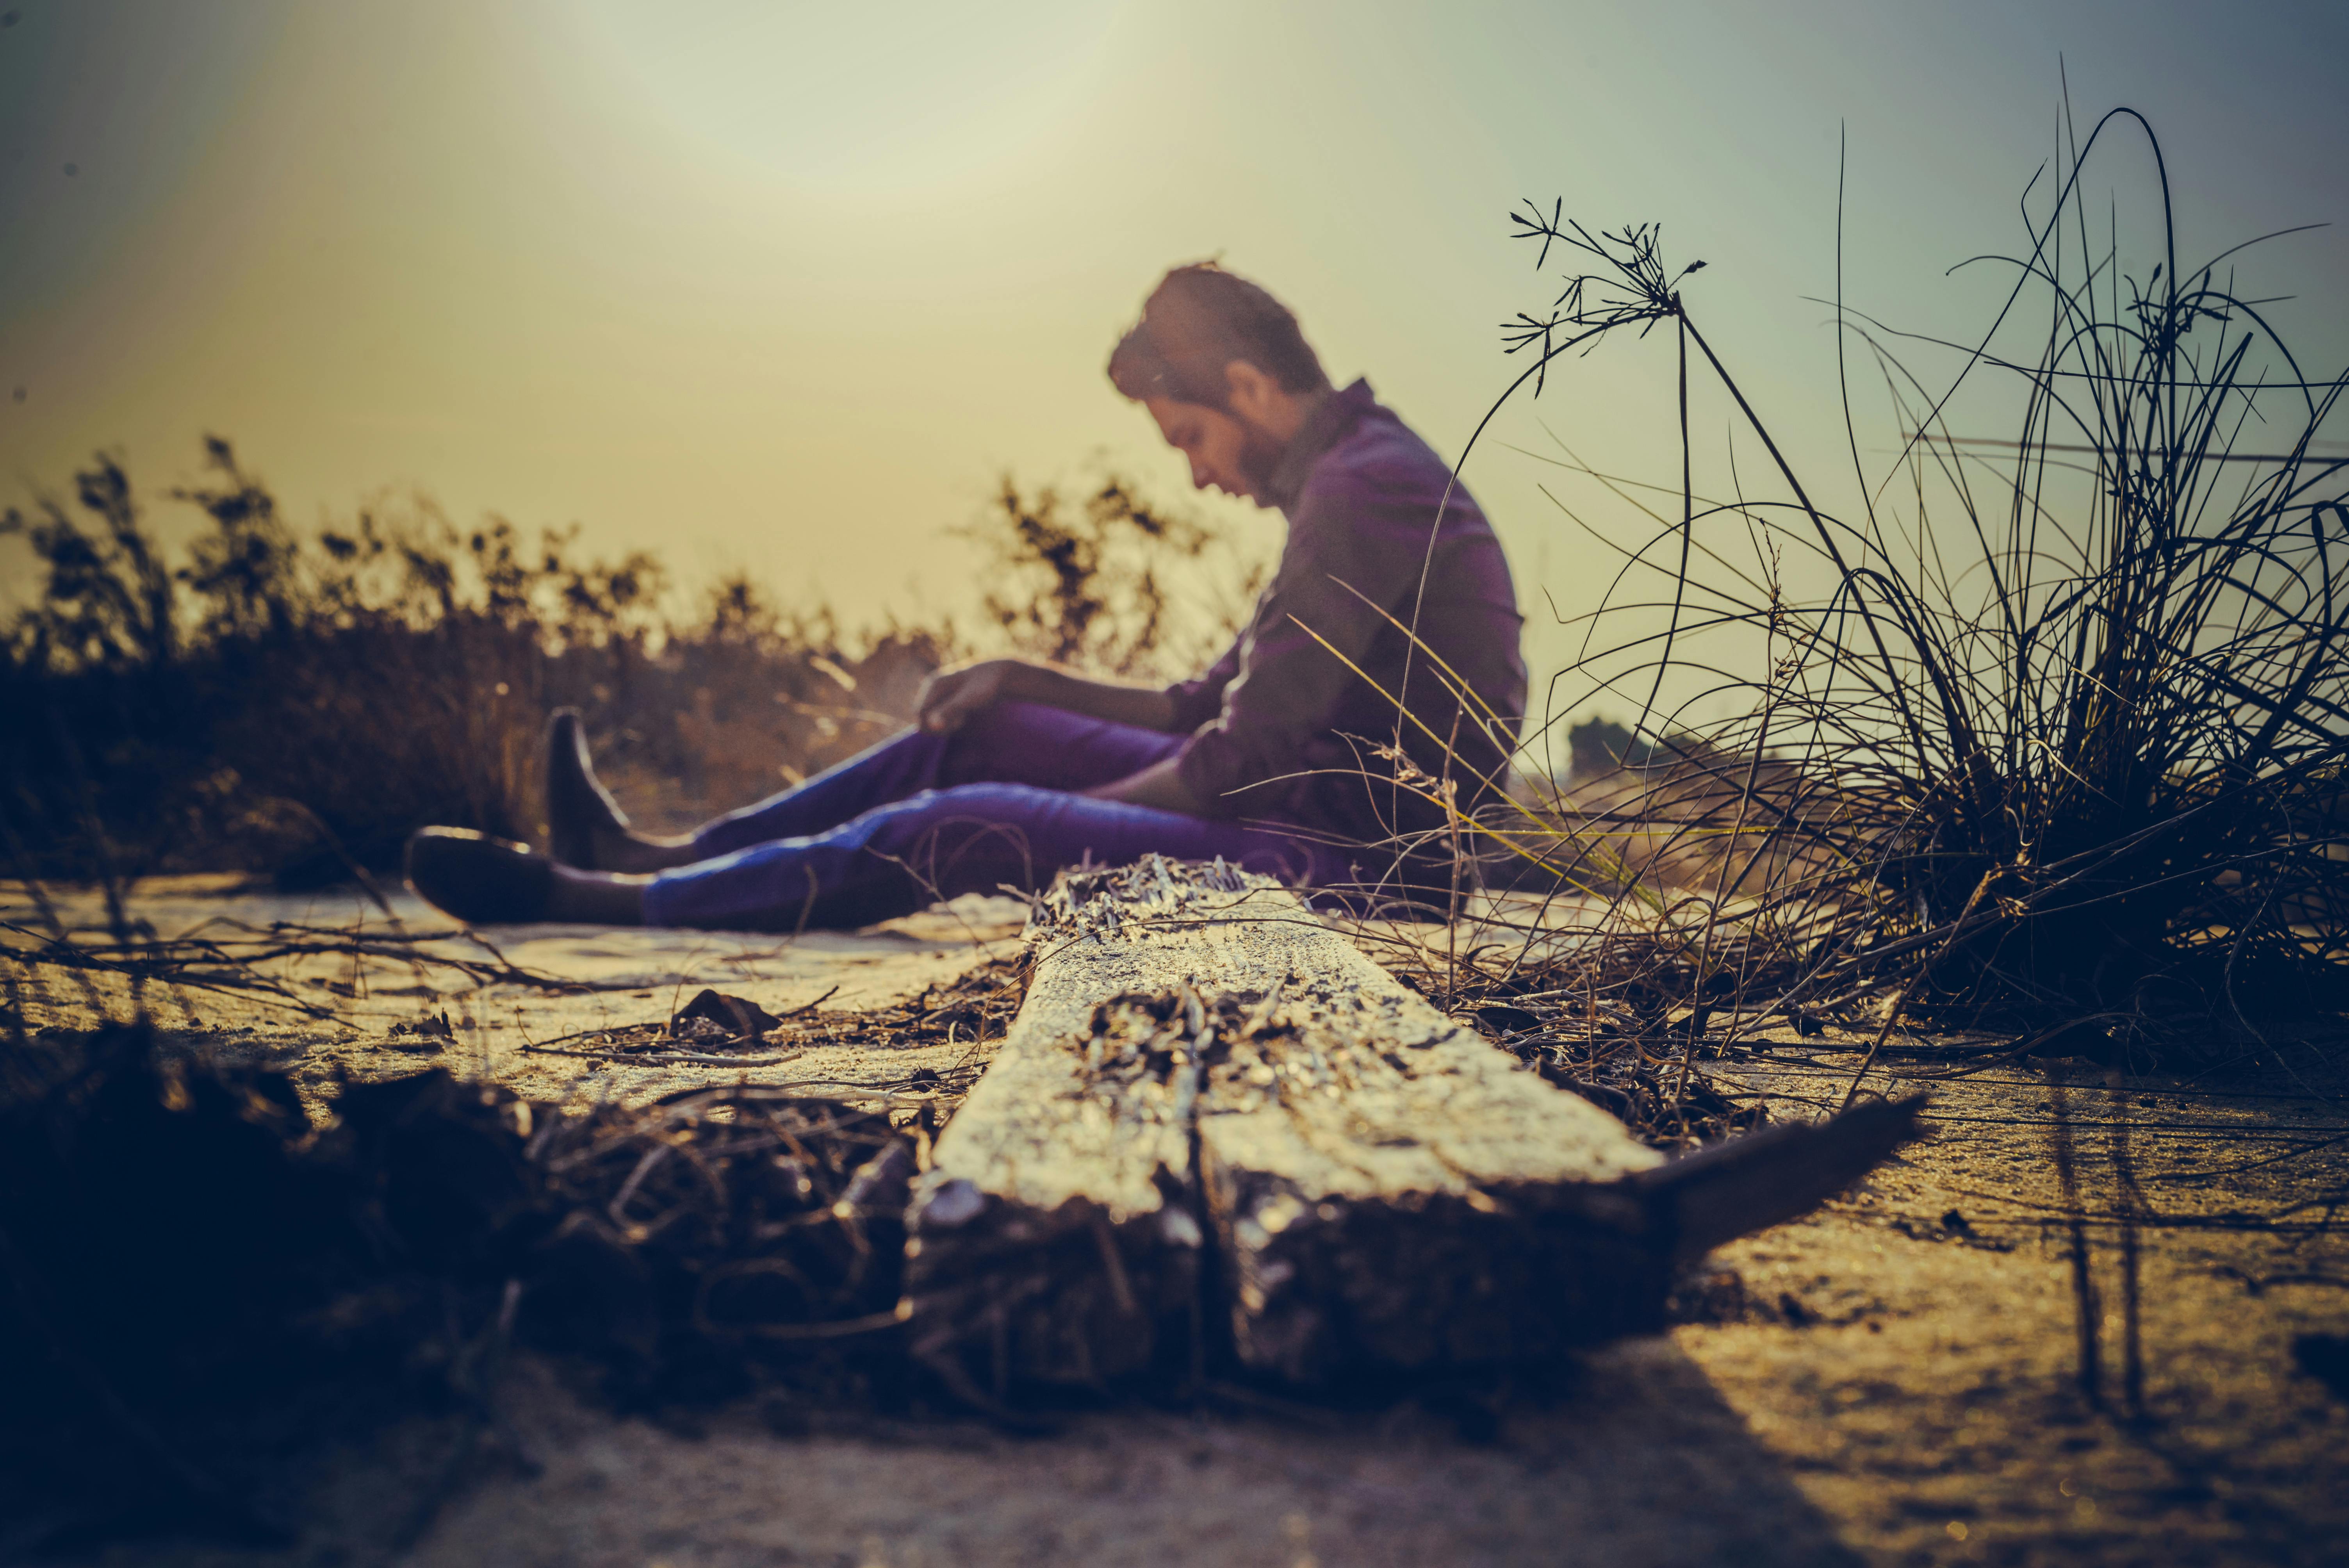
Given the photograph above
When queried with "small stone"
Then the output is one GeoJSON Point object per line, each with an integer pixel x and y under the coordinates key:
{"type": "Point", "coordinates": [955, 1203]}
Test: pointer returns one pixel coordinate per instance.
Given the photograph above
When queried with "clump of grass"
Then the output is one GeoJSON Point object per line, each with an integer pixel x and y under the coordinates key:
{"type": "Point", "coordinates": [2050, 735]}
{"type": "Point", "coordinates": [210, 1287]}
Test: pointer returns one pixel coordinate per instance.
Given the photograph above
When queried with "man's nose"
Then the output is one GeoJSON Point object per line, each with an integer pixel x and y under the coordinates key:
{"type": "Point", "coordinates": [1200, 477]}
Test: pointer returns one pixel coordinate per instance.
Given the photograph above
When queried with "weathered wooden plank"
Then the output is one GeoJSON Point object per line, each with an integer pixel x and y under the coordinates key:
{"type": "Point", "coordinates": [1215, 1115]}
{"type": "Point", "coordinates": [1362, 1154]}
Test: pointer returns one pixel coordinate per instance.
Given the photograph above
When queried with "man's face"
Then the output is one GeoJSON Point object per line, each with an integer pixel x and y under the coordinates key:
{"type": "Point", "coordinates": [1226, 452]}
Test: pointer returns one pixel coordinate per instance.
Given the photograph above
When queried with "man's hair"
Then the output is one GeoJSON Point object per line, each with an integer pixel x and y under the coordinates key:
{"type": "Point", "coordinates": [1195, 324]}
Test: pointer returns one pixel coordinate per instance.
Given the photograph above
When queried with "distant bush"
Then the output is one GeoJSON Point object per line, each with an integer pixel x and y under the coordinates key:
{"type": "Point", "coordinates": [1096, 585]}
{"type": "Point", "coordinates": [289, 704]}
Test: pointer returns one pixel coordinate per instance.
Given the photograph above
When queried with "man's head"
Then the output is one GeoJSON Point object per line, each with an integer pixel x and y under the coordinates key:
{"type": "Point", "coordinates": [1222, 367]}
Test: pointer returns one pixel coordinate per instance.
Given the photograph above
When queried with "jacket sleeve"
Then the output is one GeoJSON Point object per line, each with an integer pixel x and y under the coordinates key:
{"type": "Point", "coordinates": [1201, 698]}
{"type": "Point", "coordinates": [1348, 543]}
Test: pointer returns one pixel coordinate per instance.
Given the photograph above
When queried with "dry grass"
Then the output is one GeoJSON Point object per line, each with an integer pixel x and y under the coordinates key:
{"type": "Point", "coordinates": [209, 1275]}
{"type": "Point", "coordinates": [2049, 737]}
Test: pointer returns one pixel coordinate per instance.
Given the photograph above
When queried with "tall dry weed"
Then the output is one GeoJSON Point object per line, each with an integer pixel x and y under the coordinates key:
{"type": "Point", "coordinates": [2049, 731]}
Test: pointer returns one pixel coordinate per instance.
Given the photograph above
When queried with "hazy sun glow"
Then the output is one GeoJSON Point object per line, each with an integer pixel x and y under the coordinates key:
{"type": "Point", "coordinates": [787, 286]}
{"type": "Point", "coordinates": [875, 101]}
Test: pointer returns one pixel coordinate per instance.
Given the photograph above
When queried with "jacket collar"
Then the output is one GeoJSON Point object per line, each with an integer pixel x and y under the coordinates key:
{"type": "Point", "coordinates": [1323, 429]}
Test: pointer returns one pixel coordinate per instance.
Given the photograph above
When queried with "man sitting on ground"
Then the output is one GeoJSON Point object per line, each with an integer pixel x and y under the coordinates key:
{"type": "Point", "coordinates": [1376, 688]}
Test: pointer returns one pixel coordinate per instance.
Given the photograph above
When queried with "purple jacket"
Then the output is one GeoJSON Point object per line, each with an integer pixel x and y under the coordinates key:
{"type": "Point", "coordinates": [1282, 729]}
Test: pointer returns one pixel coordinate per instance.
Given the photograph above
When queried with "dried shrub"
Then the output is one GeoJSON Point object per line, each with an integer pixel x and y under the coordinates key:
{"type": "Point", "coordinates": [208, 1284]}
{"type": "Point", "coordinates": [2051, 734]}
{"type": "Point", "coordinates": [1112, 584]}
{"type": "Point", "coordinates": [294, 704]}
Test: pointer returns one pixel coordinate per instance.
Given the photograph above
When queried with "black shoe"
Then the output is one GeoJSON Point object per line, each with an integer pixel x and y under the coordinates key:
{"type": "Point", "coordinates": [480, 880]}
{"type": "Point", "coordinates": [577, 804]}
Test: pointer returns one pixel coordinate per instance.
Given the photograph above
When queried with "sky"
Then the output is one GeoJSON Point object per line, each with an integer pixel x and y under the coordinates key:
{"type": "Point", "coordinates": [785, 287]}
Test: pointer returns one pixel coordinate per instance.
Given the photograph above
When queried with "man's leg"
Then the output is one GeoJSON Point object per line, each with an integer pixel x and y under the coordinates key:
{"type": "Point", "coordinates": [1010, 743]}
{"type": "Point", "coordinates": [975, 838]}
{"type": "Point", "coordinates": [1017, 743]}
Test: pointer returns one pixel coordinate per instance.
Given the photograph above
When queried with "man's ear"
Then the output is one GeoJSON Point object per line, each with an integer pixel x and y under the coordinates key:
{"type": "Point", "coordinates": [1255, 396]}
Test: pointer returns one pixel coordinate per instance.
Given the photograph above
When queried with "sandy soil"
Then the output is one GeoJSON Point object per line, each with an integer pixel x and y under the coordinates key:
{"type": "Point", "coordinates": [1894, 1380]}
{"type": "Point", "coordinates": [331, 1015]}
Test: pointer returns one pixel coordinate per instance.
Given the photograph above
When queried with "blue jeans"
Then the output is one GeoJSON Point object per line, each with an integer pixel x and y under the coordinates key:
{"type": "Point", "coordinates": [926, 817]}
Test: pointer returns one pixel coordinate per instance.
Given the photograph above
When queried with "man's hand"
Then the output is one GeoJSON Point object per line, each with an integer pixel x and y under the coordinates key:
{"type": "Point", "coordinates": [949, 697]}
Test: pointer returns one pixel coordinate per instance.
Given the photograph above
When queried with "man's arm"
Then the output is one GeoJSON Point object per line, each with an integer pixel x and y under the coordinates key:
{"type": "Point", "coordinates": [950, 697]}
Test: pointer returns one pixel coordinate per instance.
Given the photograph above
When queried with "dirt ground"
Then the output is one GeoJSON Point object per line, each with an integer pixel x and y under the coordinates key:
{"type": "Point", "coordinates": [1894, 1380]}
